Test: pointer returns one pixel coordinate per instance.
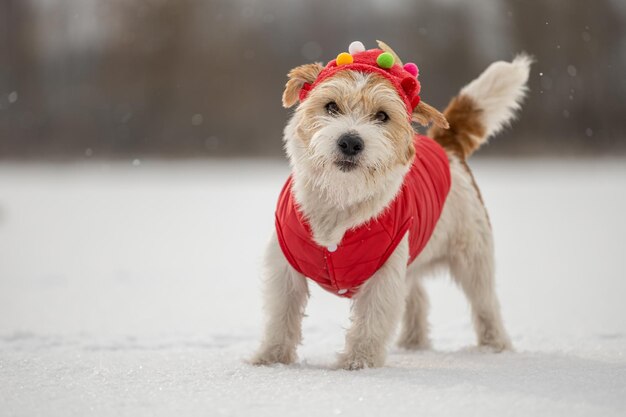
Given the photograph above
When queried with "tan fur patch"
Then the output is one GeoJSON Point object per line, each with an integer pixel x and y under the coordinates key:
{"type": "Point", "coordinates": [465, 127]}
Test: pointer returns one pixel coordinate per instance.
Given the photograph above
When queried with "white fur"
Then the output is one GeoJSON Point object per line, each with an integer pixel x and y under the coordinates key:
{"type": "Point", "coordinates": [499, 92]}
{"type": "Point", "coordinates": [316, 162]}
{"type": "Point", "coordinates": [462, 241]}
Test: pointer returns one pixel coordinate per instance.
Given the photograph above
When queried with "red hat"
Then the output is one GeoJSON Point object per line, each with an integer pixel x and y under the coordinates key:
{"type": "Point", "coordinates": [403, 78]}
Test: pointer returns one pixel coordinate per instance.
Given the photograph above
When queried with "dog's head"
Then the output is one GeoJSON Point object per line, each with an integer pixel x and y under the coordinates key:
{"type": "Point", "coordinates": [351, 132]}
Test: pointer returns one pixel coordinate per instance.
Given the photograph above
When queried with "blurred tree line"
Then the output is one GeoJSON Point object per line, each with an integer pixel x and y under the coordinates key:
{"type": "Point", "coordinates": [195, 78]}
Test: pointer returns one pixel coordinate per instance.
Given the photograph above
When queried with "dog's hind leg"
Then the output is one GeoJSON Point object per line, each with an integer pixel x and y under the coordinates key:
{"type": "Point", "coordinates": [414, 334]}
{"type": "Point", "coordinates": [473, 268]}
{"type": "Point", "coordinates": [286, 294]}
{"type": "Point", "coordinates": [375, 313]}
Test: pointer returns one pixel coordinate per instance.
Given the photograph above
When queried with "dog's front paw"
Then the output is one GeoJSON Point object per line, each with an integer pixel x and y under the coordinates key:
{"type": "Point", "coordinates": [274, 354]}
{"type": "Point", "coordinates": [351, 361]}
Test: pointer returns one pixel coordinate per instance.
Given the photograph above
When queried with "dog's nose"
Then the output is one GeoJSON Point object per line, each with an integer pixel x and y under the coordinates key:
{"type": "Point", "coordinates": [350, 144]}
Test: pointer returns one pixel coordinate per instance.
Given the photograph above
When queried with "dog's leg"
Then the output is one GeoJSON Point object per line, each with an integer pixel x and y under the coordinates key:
{"type": "Point", "coordinates": [285, 295]}
{"type": "Point", "coordinates": [375, 313]}
{"type": "Point", "coordinates": [414, 333]}
{"type": "Point", "coordinates": [473, 269]}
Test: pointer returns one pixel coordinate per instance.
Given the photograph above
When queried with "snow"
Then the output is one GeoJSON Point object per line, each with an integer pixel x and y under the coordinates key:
{"type": "Point", "coordinates": [133, 289]}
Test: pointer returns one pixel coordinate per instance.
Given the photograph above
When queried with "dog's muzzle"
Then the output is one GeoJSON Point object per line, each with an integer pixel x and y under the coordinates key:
{"type": "Point", "coordinates": [350, 146]}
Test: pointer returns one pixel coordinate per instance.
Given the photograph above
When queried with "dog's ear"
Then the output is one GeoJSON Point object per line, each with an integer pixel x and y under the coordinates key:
{"type": "Point", "coordinates": [297, 77]}
{"type": "Point", "coordinates": [382, 45]}
{"type": "Point", "coordinates": [425, 114]}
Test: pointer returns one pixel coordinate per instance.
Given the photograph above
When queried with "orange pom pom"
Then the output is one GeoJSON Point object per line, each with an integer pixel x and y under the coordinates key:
{"type": "Point", "coordinates": [344, 58]}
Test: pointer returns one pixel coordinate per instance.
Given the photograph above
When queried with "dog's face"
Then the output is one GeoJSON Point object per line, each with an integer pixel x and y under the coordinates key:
{"type": "Point", "coordinates": [351, 135]}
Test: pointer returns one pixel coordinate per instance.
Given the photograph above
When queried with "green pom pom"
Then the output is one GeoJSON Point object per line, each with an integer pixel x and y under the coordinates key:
{"type": "Point", "coordinates": [385, 60]}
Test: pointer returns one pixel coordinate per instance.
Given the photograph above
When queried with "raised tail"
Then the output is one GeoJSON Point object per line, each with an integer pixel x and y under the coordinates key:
{"type": "Point", "coordinates": [484, 106]}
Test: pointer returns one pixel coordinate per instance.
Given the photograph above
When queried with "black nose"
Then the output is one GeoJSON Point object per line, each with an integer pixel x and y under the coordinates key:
{"type": "Point", "coordinates": [350, 144]}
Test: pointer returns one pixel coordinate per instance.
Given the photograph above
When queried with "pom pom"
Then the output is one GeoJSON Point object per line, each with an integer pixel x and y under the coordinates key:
{"type": "Point", "coordinates": [385, 60]}
{"type": "Point", "coordinates": [356, 47]}
{"type": "Point", "coordinates": [344, 58]}
{"type": "Point", "coordinates": [411, 68]}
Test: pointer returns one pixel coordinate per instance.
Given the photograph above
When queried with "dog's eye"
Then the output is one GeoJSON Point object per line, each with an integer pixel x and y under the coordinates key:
{"type": "Point", "coordinates": [332, 108]}
{"type": "Point", "coordinates": [381, 116]}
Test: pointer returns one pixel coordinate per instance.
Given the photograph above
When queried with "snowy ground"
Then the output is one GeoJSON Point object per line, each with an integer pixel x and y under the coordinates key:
{"type": "Point", "coordinates": [133, 290]}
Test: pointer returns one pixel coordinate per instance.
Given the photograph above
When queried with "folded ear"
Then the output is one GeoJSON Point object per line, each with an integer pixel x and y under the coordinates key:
{"type": "Point", "coordinates": [297, 77]}
{"type": "Point", "coordinates": [425, 114]}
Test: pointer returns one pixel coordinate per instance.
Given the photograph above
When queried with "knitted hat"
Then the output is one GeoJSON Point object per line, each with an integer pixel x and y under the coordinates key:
{"type": "Point", "coordinates": [403, 78]}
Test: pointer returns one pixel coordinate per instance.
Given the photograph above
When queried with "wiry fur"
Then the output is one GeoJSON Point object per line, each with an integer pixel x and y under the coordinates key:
{"type": "Point", "coordinates": [335, 201]}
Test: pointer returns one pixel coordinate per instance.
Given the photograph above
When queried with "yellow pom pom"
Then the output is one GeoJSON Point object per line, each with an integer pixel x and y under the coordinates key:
{"type": "Point", "coordinates": [344, 58]}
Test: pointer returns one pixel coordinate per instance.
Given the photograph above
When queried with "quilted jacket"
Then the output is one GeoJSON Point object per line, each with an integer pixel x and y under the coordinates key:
{"type": "Point", "coordinates": [344, 267]}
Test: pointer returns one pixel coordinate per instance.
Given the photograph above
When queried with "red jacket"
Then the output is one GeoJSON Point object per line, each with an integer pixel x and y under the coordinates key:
{"type": "Point", "coordinates": [364, 249]}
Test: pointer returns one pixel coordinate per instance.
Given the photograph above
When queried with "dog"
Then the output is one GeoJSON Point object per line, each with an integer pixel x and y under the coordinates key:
{"type": "Point", "coordinates": [352, 147]}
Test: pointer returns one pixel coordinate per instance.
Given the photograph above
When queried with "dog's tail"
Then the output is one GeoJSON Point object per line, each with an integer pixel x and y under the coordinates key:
{"type": "Point", "coordinates": [484, 106]}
